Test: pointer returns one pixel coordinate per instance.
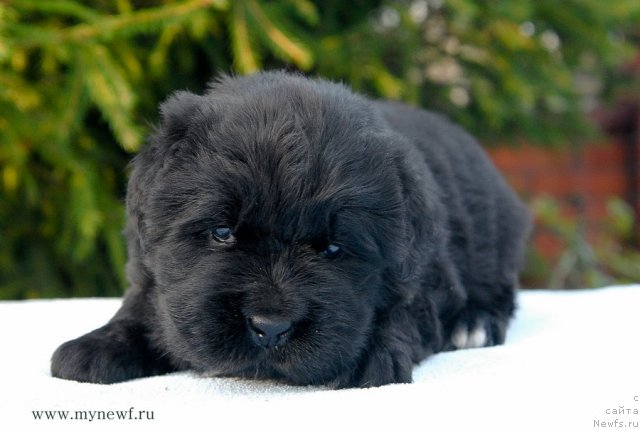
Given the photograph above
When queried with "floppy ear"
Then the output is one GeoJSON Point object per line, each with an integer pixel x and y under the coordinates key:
{"type": "Point", "coordinates": [177, 114]}
{"type": "Point", "coordinates": [424, 215]}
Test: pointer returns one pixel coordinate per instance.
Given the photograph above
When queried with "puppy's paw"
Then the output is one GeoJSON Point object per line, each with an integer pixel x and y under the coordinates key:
{"type": "Point", "coordinates": [105, 356]}
{"type": "Point", "coordinates": [476, 329]}
{"type": "Point", "coordinates": [380, 366]}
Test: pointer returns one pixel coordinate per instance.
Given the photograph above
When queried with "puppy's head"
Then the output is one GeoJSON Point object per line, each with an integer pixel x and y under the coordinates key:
{"type": "Point", "coordinates": [273, 218]}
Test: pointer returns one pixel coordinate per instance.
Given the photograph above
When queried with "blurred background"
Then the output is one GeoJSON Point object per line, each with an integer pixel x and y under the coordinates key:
{"type": "Point", "coordinates": [550, 88]}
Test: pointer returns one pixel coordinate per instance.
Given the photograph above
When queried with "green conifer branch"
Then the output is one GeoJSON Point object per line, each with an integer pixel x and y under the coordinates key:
{"type": "Point", "coordinates": [107, 27]}
{"type": "Point", "coordinates": [244, 55]}
{"type": "Point", "coordinates": [289, 48]}
{"type": "Point", "coordinates": [60, 7]}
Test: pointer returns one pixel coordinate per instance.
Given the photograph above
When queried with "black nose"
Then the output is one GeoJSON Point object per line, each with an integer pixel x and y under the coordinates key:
{"type": "Point", "coordinates": [268, 332]}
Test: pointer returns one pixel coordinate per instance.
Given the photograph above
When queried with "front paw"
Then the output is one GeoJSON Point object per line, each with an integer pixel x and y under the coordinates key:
{"type": "Point", "coordinates": [107, 355]}
{"type": "Point", "coordinates": [380, 366]}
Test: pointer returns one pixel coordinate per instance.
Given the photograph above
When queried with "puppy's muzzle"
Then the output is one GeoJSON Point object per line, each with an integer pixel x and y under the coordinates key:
{"type": "Point", "coordinates": [269, 332]}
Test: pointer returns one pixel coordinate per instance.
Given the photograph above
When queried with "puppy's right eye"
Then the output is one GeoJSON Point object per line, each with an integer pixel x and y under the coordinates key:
{"type": "Point", "coordinates": [331, 251]}
{"type": "Point", "coordinates": [222, 234]}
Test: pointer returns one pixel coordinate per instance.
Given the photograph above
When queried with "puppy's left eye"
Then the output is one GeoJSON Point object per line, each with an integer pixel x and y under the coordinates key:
{"type": "Point", "coordinates": [331, 251]}
{"type": "Point", "coordinates": [222, 234]}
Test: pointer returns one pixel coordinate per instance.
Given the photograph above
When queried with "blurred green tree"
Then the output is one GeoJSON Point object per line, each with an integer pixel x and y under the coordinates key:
{"type": "Point", "coordinates": [80, 81]}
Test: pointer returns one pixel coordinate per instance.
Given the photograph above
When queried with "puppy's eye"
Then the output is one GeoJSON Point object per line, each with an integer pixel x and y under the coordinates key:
{"type": "Point", "coordinates": [222, 234]}
{"type": "Point", "coordinates": [331, 251]}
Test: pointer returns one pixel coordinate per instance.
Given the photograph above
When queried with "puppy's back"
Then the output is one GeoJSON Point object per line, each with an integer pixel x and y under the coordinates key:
{"type": "Point", "coordinates": [487, 222]}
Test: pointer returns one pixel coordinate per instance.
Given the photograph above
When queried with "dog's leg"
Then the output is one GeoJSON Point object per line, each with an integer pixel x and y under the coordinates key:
{"type": "Point", "coordinates": [119, 351]}
{"type": "Point", "coordinates": [404, 335]}
{"type": "Point", "coordinates": [116, 352]}
{"type": "Point", "coordinates": [484, 319]}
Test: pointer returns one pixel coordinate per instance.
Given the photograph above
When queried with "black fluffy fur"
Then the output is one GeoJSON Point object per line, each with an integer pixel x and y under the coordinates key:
{"type": "Point", "coordinates": [430, 240]}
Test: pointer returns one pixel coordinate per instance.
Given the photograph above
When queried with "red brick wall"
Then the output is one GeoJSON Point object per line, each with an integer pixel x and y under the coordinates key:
{"type": "Point", "coordinates": [585, 177]}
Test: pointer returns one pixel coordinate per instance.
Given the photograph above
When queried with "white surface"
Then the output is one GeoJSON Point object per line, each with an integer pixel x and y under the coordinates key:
{"type": "Point", "coordinates": [571, 358]}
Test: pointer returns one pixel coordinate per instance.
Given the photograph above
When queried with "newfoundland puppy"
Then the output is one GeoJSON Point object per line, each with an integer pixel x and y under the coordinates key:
{"type": "Point", "coordinates": [285, 228]}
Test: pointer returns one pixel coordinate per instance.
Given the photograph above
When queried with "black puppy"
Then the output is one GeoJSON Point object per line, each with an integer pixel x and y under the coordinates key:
{"type": "Point", "coordinates": [286, 228]}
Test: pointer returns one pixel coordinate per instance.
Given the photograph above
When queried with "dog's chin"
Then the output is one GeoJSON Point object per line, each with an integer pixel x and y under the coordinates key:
{"type": "Point", "coordinates": [276, 365]}
{"type": "Point", "coordinates": [279, 364]}
{"type": "Point", "coordinates": [304, 359]}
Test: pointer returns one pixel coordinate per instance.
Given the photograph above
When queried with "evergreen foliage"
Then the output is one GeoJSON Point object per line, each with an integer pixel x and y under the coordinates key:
{"type": "Point", "coordinates": [80, 83]}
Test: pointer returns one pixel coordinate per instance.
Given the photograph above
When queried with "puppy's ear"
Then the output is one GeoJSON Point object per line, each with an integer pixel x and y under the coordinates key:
{"type": "Point", "coordinates": [424, 217]}
{"type": "Point", "coordinates": [178, 112]}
